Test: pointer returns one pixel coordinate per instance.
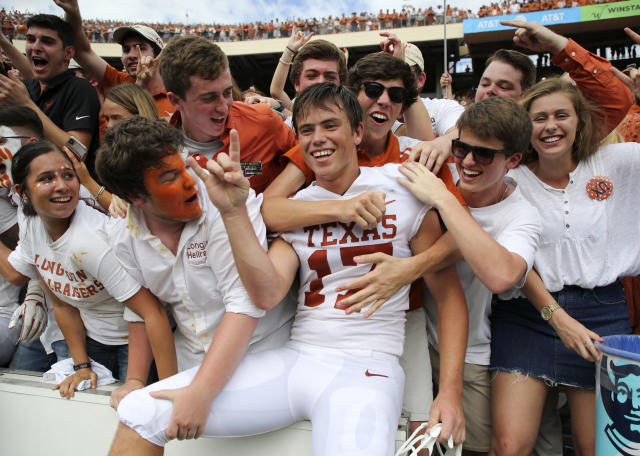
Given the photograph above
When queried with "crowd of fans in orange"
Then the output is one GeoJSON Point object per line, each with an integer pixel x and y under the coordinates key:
{"type": "Point", "coordinates": [101, 31]}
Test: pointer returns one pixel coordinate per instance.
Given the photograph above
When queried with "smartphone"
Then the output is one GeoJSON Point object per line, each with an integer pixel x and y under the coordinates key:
{"type": "Point", "coordinates": [77, 148]}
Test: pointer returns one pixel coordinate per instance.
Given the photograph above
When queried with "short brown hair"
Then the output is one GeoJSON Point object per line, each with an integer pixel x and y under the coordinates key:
{"type": "Point", "coordinates": [186, 56]}
{"type": "Point", "coordinates": [130, 148]}
{"type": "Point", "coordinates": [501, 118]}
{"type": "Point", "coordinates": [588, 132]}
{"type": "Point", "coordinates": [318, 96]}
{"type": "Point", "coordinates": [320, 50]}
{"type": "Point", "coordinates": [520, 62]}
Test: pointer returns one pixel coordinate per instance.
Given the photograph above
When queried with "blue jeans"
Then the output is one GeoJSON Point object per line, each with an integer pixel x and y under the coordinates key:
{"type": "Point", "coordinates": [8, 339]}
{"type": "Point", "coordinates": [113, 357]}
{"type": "Point", "coordinates": [33, 357]}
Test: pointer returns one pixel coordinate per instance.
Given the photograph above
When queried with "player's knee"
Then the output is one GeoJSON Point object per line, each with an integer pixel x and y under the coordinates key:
{"type": "Point", "coordinates": [145, 415]}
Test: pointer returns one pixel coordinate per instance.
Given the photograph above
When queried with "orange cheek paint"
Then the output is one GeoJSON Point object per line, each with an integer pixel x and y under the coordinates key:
{"type": "Point", "coordinates": [173, 199]}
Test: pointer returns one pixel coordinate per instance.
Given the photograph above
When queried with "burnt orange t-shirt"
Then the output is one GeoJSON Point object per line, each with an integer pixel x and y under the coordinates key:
{"type": "Point", "coordinates": [264, 138]}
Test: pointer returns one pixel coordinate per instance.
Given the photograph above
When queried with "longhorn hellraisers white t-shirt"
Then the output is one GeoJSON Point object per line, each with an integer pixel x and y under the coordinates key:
{"type": "Point", "coordinates": [81, 269]}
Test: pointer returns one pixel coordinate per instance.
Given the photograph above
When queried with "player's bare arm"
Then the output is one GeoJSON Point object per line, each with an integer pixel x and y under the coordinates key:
{"type": "Point", "coordinates": [445, 287]}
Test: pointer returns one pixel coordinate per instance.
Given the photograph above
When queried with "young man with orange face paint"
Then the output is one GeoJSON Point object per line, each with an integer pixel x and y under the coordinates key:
{"type": "Point", "coordinates": [173, 240]}
{"type": "Point", "coordinates": [172, 191]}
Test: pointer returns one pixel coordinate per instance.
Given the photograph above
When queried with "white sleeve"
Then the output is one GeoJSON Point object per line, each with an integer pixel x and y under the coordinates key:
{"type": "Point", "coordinates": [120, 285]}
{"type": "Point", "coordinates": [20, 263]}
{"type": "Point", "coordinates": [234, 295]}
{"type": "Point", "coordinates": [447, 115]}
{"type": "Point", "coordinates": [22, 257]}
{"type": "Point", "coordinates": [94, 254]}
{"type": "Point", "coordinates": [522, 236]}
{"type": "Point", "coordinates": [131, 317]}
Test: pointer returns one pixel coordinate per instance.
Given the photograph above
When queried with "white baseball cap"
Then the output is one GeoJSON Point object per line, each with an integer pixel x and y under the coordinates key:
{"type": "Point", "coordinates": [413, 55]}
{"type": "Point", "coordinates": [145, 32]}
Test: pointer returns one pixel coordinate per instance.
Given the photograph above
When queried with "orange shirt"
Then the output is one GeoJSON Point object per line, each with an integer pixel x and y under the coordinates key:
{"type": "Point", "coordinates": [113, 77]}
{"type": "Point", "coordinates": [264, 138]}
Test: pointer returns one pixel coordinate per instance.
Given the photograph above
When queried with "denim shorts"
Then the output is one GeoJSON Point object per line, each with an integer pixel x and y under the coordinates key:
{"type": "Point", "coordinates": [522, 341]}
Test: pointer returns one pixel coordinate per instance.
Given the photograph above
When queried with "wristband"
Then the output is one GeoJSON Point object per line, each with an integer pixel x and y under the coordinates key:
{"type": "Point", "coordinates": [77, 367]}
{"type": "Point", "coordinates": [280, 108]}
{"type": "Point", "coordinates": [291, 50]}
{"type": "Point", "coordinates": [285, 62]}
{"type": "Point", "coordinates": [99, 192]}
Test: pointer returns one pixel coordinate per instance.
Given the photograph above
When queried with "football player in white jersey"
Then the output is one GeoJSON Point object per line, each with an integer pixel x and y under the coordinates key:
{"type": "Point", "coordinates": [339, 370]}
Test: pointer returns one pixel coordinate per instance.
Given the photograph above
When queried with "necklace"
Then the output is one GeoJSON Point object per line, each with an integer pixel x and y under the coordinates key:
{"type": "Point", "coordinates": [504, 194]}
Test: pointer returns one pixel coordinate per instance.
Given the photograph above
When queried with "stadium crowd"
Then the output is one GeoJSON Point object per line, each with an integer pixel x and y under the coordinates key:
{"type": "Point", "coordinates": [443, 261]}
{"type": "Point", "coordinates": [101, 31]}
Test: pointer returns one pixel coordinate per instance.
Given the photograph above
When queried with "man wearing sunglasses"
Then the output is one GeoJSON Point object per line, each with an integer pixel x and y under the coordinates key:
{"type": "Point", "coordinates": [497, 238]}
{"type": "Point", "coordinates": [443, 114]}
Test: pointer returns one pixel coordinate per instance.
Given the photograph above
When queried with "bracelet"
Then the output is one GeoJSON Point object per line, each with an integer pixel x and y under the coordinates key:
{"type": "Point", "coordinates": [285, 63]}
{"type": "Point", "coordinates": [291, 50]}
{"type": "Point", "coordinates": [280, 108]}
{"type": "Point", "coordinates": [99, 192]}
{"type": "Point", "coordinates": [77, 367]}
{"type": "Point", "coordinates": [136, 379]}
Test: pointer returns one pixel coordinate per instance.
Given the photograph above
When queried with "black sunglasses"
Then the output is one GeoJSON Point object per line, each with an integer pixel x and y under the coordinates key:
{"type": "Point", "coordinates": [481, 155]}
{"type": "Point", "coordinates": [3, 139]}
{"type": "Point", "coordinates": [375, 90]}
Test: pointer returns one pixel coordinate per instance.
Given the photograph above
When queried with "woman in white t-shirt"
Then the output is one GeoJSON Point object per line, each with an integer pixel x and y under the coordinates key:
{"type": "Point", "coordinates": [585, 195]}
{"type": "Point", "coordinates": [86, 283]}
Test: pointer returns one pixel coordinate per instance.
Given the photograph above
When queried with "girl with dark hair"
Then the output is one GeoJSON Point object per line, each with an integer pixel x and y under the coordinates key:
{"type": "Point", "coordinates": [62, 243]}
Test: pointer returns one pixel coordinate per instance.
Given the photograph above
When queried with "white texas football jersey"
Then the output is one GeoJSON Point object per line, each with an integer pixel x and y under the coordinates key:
{"type": "Point", "coordinates": [326, 254]}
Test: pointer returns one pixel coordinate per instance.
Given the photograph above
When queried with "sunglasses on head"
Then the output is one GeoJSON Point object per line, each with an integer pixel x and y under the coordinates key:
{"type": "Point", "coordinates": [375, 90]}
{"type": "Point", "coordinates": [481, 155]}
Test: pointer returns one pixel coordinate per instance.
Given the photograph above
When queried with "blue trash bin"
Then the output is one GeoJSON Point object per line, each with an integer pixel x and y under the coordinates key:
{"type": "Point", "coordinates": [618, 397]}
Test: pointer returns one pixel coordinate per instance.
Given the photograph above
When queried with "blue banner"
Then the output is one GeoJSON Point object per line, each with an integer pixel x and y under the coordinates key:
{"type": "Point", "coordinates": [547, 17]}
